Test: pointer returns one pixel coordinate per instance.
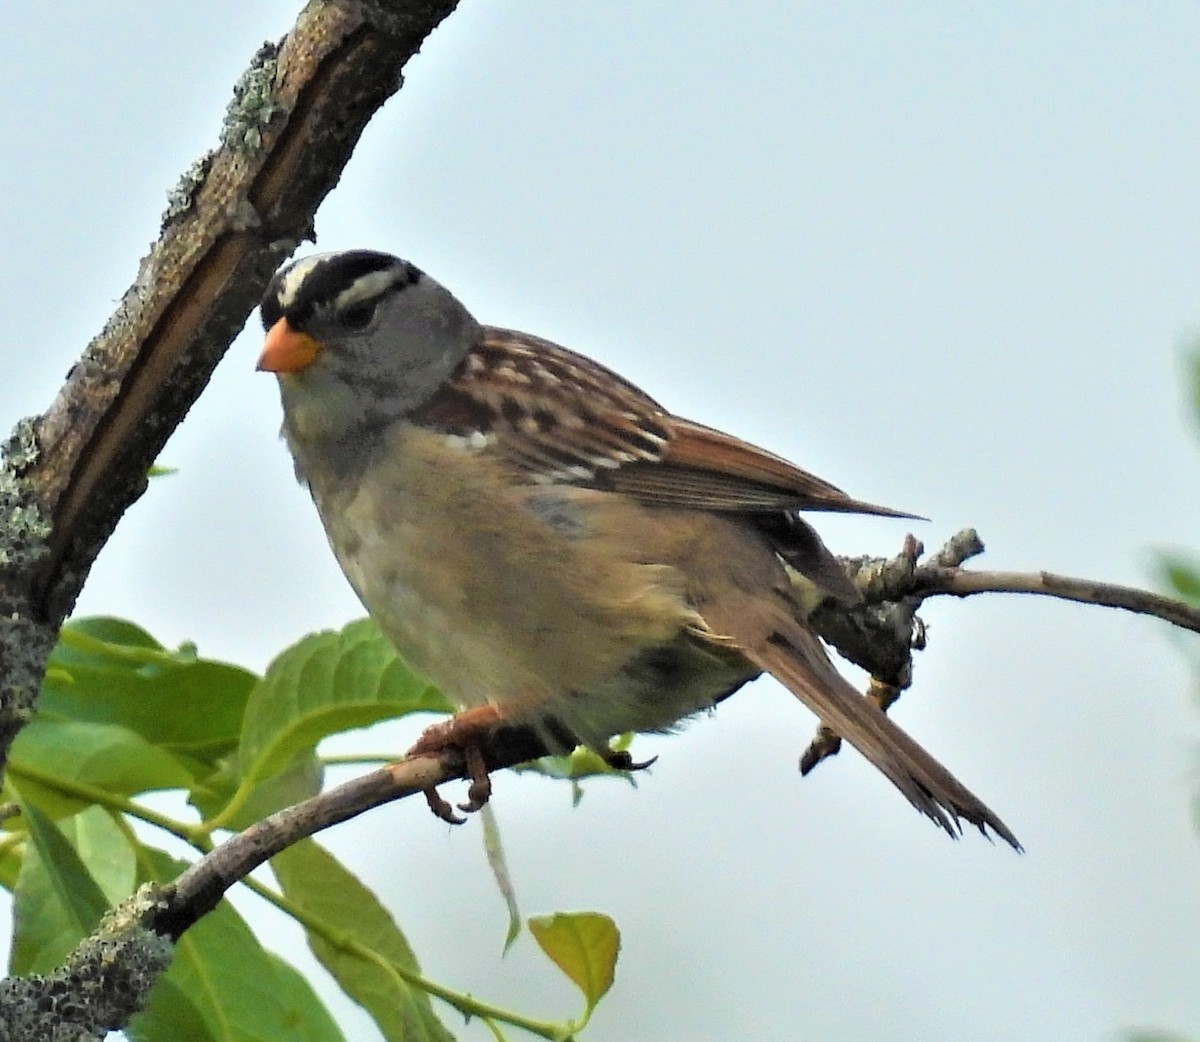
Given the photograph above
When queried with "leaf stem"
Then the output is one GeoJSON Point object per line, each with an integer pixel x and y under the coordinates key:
{"type": "Point", "coordinates": [358, 759]}
{"type": "Point", "coordinates": [494, 1028]}
{"type": "Point", "coordinates": [191, 834]}
{"type": "Point", "coordinates": [465, 1004]}
{"type": "Point", "coordinates": [240, 795]}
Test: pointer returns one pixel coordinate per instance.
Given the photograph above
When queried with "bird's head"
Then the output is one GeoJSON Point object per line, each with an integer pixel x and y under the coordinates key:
{"type": "Point", "coordinates": [358, 339]}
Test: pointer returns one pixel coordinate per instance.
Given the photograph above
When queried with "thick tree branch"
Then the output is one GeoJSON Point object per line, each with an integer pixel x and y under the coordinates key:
{"type": "Point", "coordinates": [103, 982]}
{"type": "Point", "coordinates": [68, 476]}
{"type": "Point", "coordinates": [296, 116]}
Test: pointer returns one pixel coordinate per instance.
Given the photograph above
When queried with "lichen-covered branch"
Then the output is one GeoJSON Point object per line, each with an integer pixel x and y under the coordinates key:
{"type": "Point", "coordinates": [104, 982]}
{"type": "Point", "coordinates": [25, 642]}
{"type": "Point", "coordinates": [293, 123]}
{"type": "Point", "coordinates": [67, 476]}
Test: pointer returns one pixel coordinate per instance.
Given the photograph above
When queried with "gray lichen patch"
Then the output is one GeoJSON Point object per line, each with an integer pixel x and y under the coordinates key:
{"type": "Point", "coordinates": [25, 646]}
{"type": "Point", "coordinates": [22, 449]}
{"type": "Point", "coordinates": [23, 529]}
{"type": "Point", "coordinates": [25, 643]}
{"type": "Point", "coordinates": [183, 195]}
{"type": "Point", "coordinates": [253, 105]}
{"type": "Point", "coordinates": [104, 982]}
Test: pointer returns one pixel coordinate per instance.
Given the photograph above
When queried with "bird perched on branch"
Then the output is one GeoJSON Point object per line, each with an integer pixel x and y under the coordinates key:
{"type": "Point", "coordinates": [546, 542]}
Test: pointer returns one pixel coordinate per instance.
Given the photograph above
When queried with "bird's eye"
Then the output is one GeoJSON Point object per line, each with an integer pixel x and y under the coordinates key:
{"type": "Point", "coordinates": [357, 317]}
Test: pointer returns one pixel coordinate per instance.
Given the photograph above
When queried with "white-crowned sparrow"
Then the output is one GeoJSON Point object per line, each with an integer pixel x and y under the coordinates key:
{"type": "Point", "coordinates": [543, 540]}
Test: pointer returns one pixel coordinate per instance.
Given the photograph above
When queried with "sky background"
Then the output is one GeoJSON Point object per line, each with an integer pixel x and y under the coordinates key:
{"type": "Point", "coordinates": [945, 256]}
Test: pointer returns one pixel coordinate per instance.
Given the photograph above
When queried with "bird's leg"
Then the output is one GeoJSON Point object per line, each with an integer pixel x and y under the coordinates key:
{"type": "Point", "coordinates": [827, 742]}
{"type": "Point", "coordinates": [463, 731]}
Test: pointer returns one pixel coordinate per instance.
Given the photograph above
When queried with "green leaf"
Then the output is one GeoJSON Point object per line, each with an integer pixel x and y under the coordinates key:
{"type": "Point", "coordinates": [1182, 573]}
{"type": "Point", "coordinates": [298, 781]}
{"type": "Point", "coordinates": [326, 683]}
{"type": "Point", "coordinates": [170, 1014]}
{"type": "Point", "coordinates": [11, 856]}
{"type": "Point", "coordinates": [110, 671]}
{"type": "Point", "coordinates": [316, 881]}
{"type": "Point", "coordinates": [584, 945]}
{"type": "Point", "coordinates": [580, 764]}
{"type": "Point", "coordinates": [108, 630]}
{"type": "Point", "coordinates": [104, 846]}
{"type": "Point", "coordinates": [56, 903]}
{"type": "Point", "coordinates": [498, 863]}
{"type": "Point", "coordinates": [307, 1019]}
{"type": "Point", "coordinates": [105, 756]}
{"type": "Point", "coordinates": [223, 975]}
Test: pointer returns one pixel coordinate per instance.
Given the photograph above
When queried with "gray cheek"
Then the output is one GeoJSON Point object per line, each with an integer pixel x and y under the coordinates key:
{"type": "Point", "coordinates": [559, 513]}
{"type": "Point", "coordinates": [421, 378]}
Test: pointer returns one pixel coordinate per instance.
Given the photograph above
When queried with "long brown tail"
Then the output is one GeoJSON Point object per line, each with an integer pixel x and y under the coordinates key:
{"type": "Point", "coordinates": [798, 661]}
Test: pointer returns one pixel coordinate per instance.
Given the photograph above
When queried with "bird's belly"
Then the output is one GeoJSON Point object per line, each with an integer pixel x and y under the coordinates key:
{"type": "Point", "coordinates": [510, 606]}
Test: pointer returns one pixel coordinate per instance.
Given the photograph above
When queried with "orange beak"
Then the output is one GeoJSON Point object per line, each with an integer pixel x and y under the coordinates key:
{"type": "Point", "coordinates": [287, 351]}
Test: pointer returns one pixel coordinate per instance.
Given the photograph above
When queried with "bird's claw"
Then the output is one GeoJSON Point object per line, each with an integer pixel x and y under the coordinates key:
{"type": "Point", "coordinates": [441, 808]}
{"type": "Point", "coordinates": [621, 760]}
{"type": "Point", "coordinates": [480, 790]}
{"type": "Point", "coordinates": [825, 743]}
{"type": "Point", "coordinates": [462, 732]}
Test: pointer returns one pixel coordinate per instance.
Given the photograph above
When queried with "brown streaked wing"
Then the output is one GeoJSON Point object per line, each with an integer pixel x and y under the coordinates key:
{"type": "Point", "coordinates": [563, 418]}
{"type": "Point", "coordinates": [559, 416]}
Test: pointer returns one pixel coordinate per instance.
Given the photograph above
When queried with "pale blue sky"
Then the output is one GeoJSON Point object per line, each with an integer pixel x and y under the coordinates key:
{"type": "Point", "coordinates": [942, 255]}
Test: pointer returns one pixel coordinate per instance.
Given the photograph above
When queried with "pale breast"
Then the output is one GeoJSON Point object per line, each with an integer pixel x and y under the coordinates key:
{"type": "Point", "coordinates": [499, 592]}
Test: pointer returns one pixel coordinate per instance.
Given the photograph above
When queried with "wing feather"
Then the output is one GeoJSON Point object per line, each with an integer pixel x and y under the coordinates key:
{"type": "Point", "coordinates": [560, 417]}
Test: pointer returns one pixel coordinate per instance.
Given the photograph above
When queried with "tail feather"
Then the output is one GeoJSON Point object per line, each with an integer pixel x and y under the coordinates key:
{"type": "Point", "coordinates": [798, 661]}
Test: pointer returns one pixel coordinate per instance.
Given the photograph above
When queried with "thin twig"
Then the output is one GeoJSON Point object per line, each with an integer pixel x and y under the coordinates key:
{"type": "Point", "coordinates": [962, 582]}
{"type": "Point", "coordinates": [203, 884]}
{"type": "Point", "coordinates": [881, 634]}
